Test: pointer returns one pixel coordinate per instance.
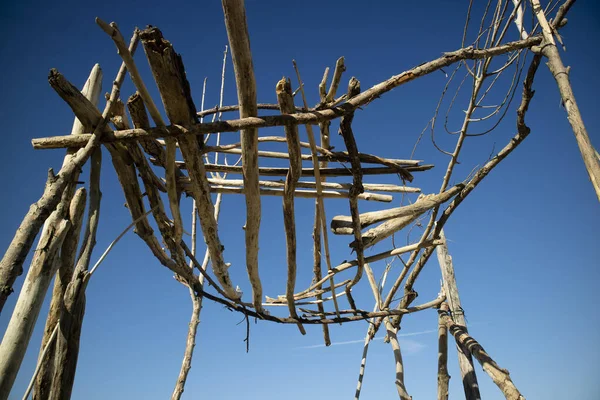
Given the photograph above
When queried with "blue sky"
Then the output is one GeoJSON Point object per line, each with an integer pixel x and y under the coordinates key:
{"type": "Point", "coordinates": [523, 243]}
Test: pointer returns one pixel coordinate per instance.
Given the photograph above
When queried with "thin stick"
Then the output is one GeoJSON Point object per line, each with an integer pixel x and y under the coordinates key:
{"type": "Point", "coordinates": [41, 359]}
{"type": "Point", "coordinates": [272, 171]}
{"type": "Point", "coordinates": [375, 187]}
{"type": "Point", "coordinates": [317, 174]}
{"type": "Point", "coordinates": [298, 193]}
{"type": "Point", "coordinates": [285, 100]}
{"type": "Point", "coordinates": [114, 242]}
{"type": "Point", "coordinates": [391, 333]}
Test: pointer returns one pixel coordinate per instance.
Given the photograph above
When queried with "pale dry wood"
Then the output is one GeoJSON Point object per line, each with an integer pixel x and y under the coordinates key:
{"type": "Point", "coordinates": [137, 110]}
{"type": "Point", "coordinates": [391, 332]}
{"type": "Point", "coordinates": [12, 262]}
{"type": "Point", "coordinates": [443, 378]}
{"type": "Point", "coordinates": [140, 119]}
{"type": "Point", "coordinates": [419, 207]}
{"type": "Point", "coordinates": [169, 74]}
{"type": "Point", "coordinates": [20, 327]}
{"type": "Point", "coordinates": [340, 67]}
{"type": "Point", "coordinates": [285, 100]}
{"type": "Point", "coordinates": [375, 187]}
{"type": "Point", "coordinates": [371, 259]}
{"type": "Point", "coordinates": [63, 277]}
{"type": "Point", "coordinates": [465, 362]}
{"type": "Point", "coordinates": [297, 193]}
{"type": "Point", "coordinates": [73, 306]}
{"type": "Point", "coordinates": [317, 256]}
{"type": "Point", "coordinates": [337, 156]}
{"type": "Point", "coordinates": [357, 186]}
{"type": "Point", "coordinates": [43, 353]}
{"type": "Point", "coordinates": [362, 99]}
{"type": "Point", "coordinates": [319, 201]}
{"type": "Point", "coordinates": [561, 75]}
{"type": "Point", "coordinates": [500, 376]}
{"type": "Point", "coordinates": [222, 109]}
{"type": "Point", "coordinates": [239, 41]}
{"type": "Point", "coordinates": [272, 171]}
{"type": "Point", "coordinates": [373, 236]}
{"type": "Point", "coordinates": [189, 347]}
{"type": "Point", "coordinates": [91, 90]}
{"type": "Point", "coordinates": [11, 265]}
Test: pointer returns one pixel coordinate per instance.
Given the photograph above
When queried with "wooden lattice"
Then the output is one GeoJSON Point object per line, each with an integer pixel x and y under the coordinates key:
{"type": "Point", "coordinates": [143, 147]}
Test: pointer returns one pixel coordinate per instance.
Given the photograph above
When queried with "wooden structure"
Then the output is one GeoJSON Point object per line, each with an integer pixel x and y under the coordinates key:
{"type": "Point", "coordinates": [143, 143]}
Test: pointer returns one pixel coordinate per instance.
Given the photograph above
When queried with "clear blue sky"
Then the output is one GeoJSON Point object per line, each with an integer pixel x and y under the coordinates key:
{"type": "Point", "coordinates": [525, 244]}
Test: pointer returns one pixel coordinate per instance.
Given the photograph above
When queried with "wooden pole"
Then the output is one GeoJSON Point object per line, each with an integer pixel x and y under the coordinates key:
{"type": "Point", "coordinates": [20, 327]}
{"type": "Point", "coordinates": [443, 378]}
{"type": "Point", "coordinates": [91, 90]}
{"type": "Point", "coordinates": [465, 361]}
{"type": "Point", "coordinates": [500, 376]}
{"type": "Point", "coordinates": [561, 75]}
{"type": "Point", "coordinates": [239, 41]}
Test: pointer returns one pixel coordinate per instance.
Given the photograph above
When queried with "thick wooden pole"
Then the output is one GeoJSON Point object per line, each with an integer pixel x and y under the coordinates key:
{"type": "Point", "coordinates": [465, 361]}
{"type": "Point", "coordinates": [91, 90]}
{"type": "Point", "coordinates": [20, 328]}
{"type": "Point", "coordinates": [443, 378]}
{"type": "Point", "coordinates": [561, 75]}
{"type": "Point", "coordinates": [239, 41]}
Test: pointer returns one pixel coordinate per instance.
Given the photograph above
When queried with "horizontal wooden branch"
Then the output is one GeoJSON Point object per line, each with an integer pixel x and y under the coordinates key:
{"type": "Point", "coordinates": [341, 223]}
{"type": "Point", "coordinates": [374, 187]}
{"type": "Point", "coordinates": [260, 106]}
{"type": "Point", "coordinates": [468, 53]}
{"type": "Point", "coordinates": [328, 156]}
{"type": "Point", "coordinates": [307, 194]}
{"type": "Point", "coordinates": [273, 171]}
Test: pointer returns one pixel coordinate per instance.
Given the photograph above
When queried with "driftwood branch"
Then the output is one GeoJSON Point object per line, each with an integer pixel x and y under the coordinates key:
{"type": "Point", "coordinates": [279, 184]}
{"type": "Point", "coordinates": [561, 75]}
{"type": "Point", "coordinates": [469, 345]}
{"type": "Point", "coordinates": [340, 224]}
{"type": "Point", "coordinates": [443, 378]}
{"type": "Point", "coordinates": [286, 104]}
{"type": "Point", "coordinates": [276, 191]}
{"type": "Point", "coordinates": [91, 90]}
{"type": "Point", "coordinates": [273, 171]}
{"type": "Point", "coordinates": [319, 203]}
{"type": "Point", "coordinates": [465, 362]}
{"type": "Point", "coordinates": [391, 332]}
{"type": "Point", "coordinates": [169, 74]}
{"type": "Point", "coordinates": [239, 41]}
{"type": "Point", "coordinates": [362, 99]}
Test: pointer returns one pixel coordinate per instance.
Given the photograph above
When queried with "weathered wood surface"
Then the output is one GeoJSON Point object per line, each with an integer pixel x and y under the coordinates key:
{"type": "Point", "coordinates": [301, 118]}
{"type": "Point", "coordinates": [169, 74]}
{"type": "Point", "coordinates": [465, 361]}
{"type": "Point", "coordinates": [239, 41]}
{"type": "Point", "coordinates": [500, 376]}
{"type": "Point", "coordinates": [286, 104]}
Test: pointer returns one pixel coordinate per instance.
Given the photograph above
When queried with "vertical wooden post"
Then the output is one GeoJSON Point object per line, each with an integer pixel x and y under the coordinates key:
{"type": "Point", "coordinates": [443, 377]}
{"type": "Point", "coordinates": [465, 361]}
{"type": "Point", "coordinates": [91, 90]}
